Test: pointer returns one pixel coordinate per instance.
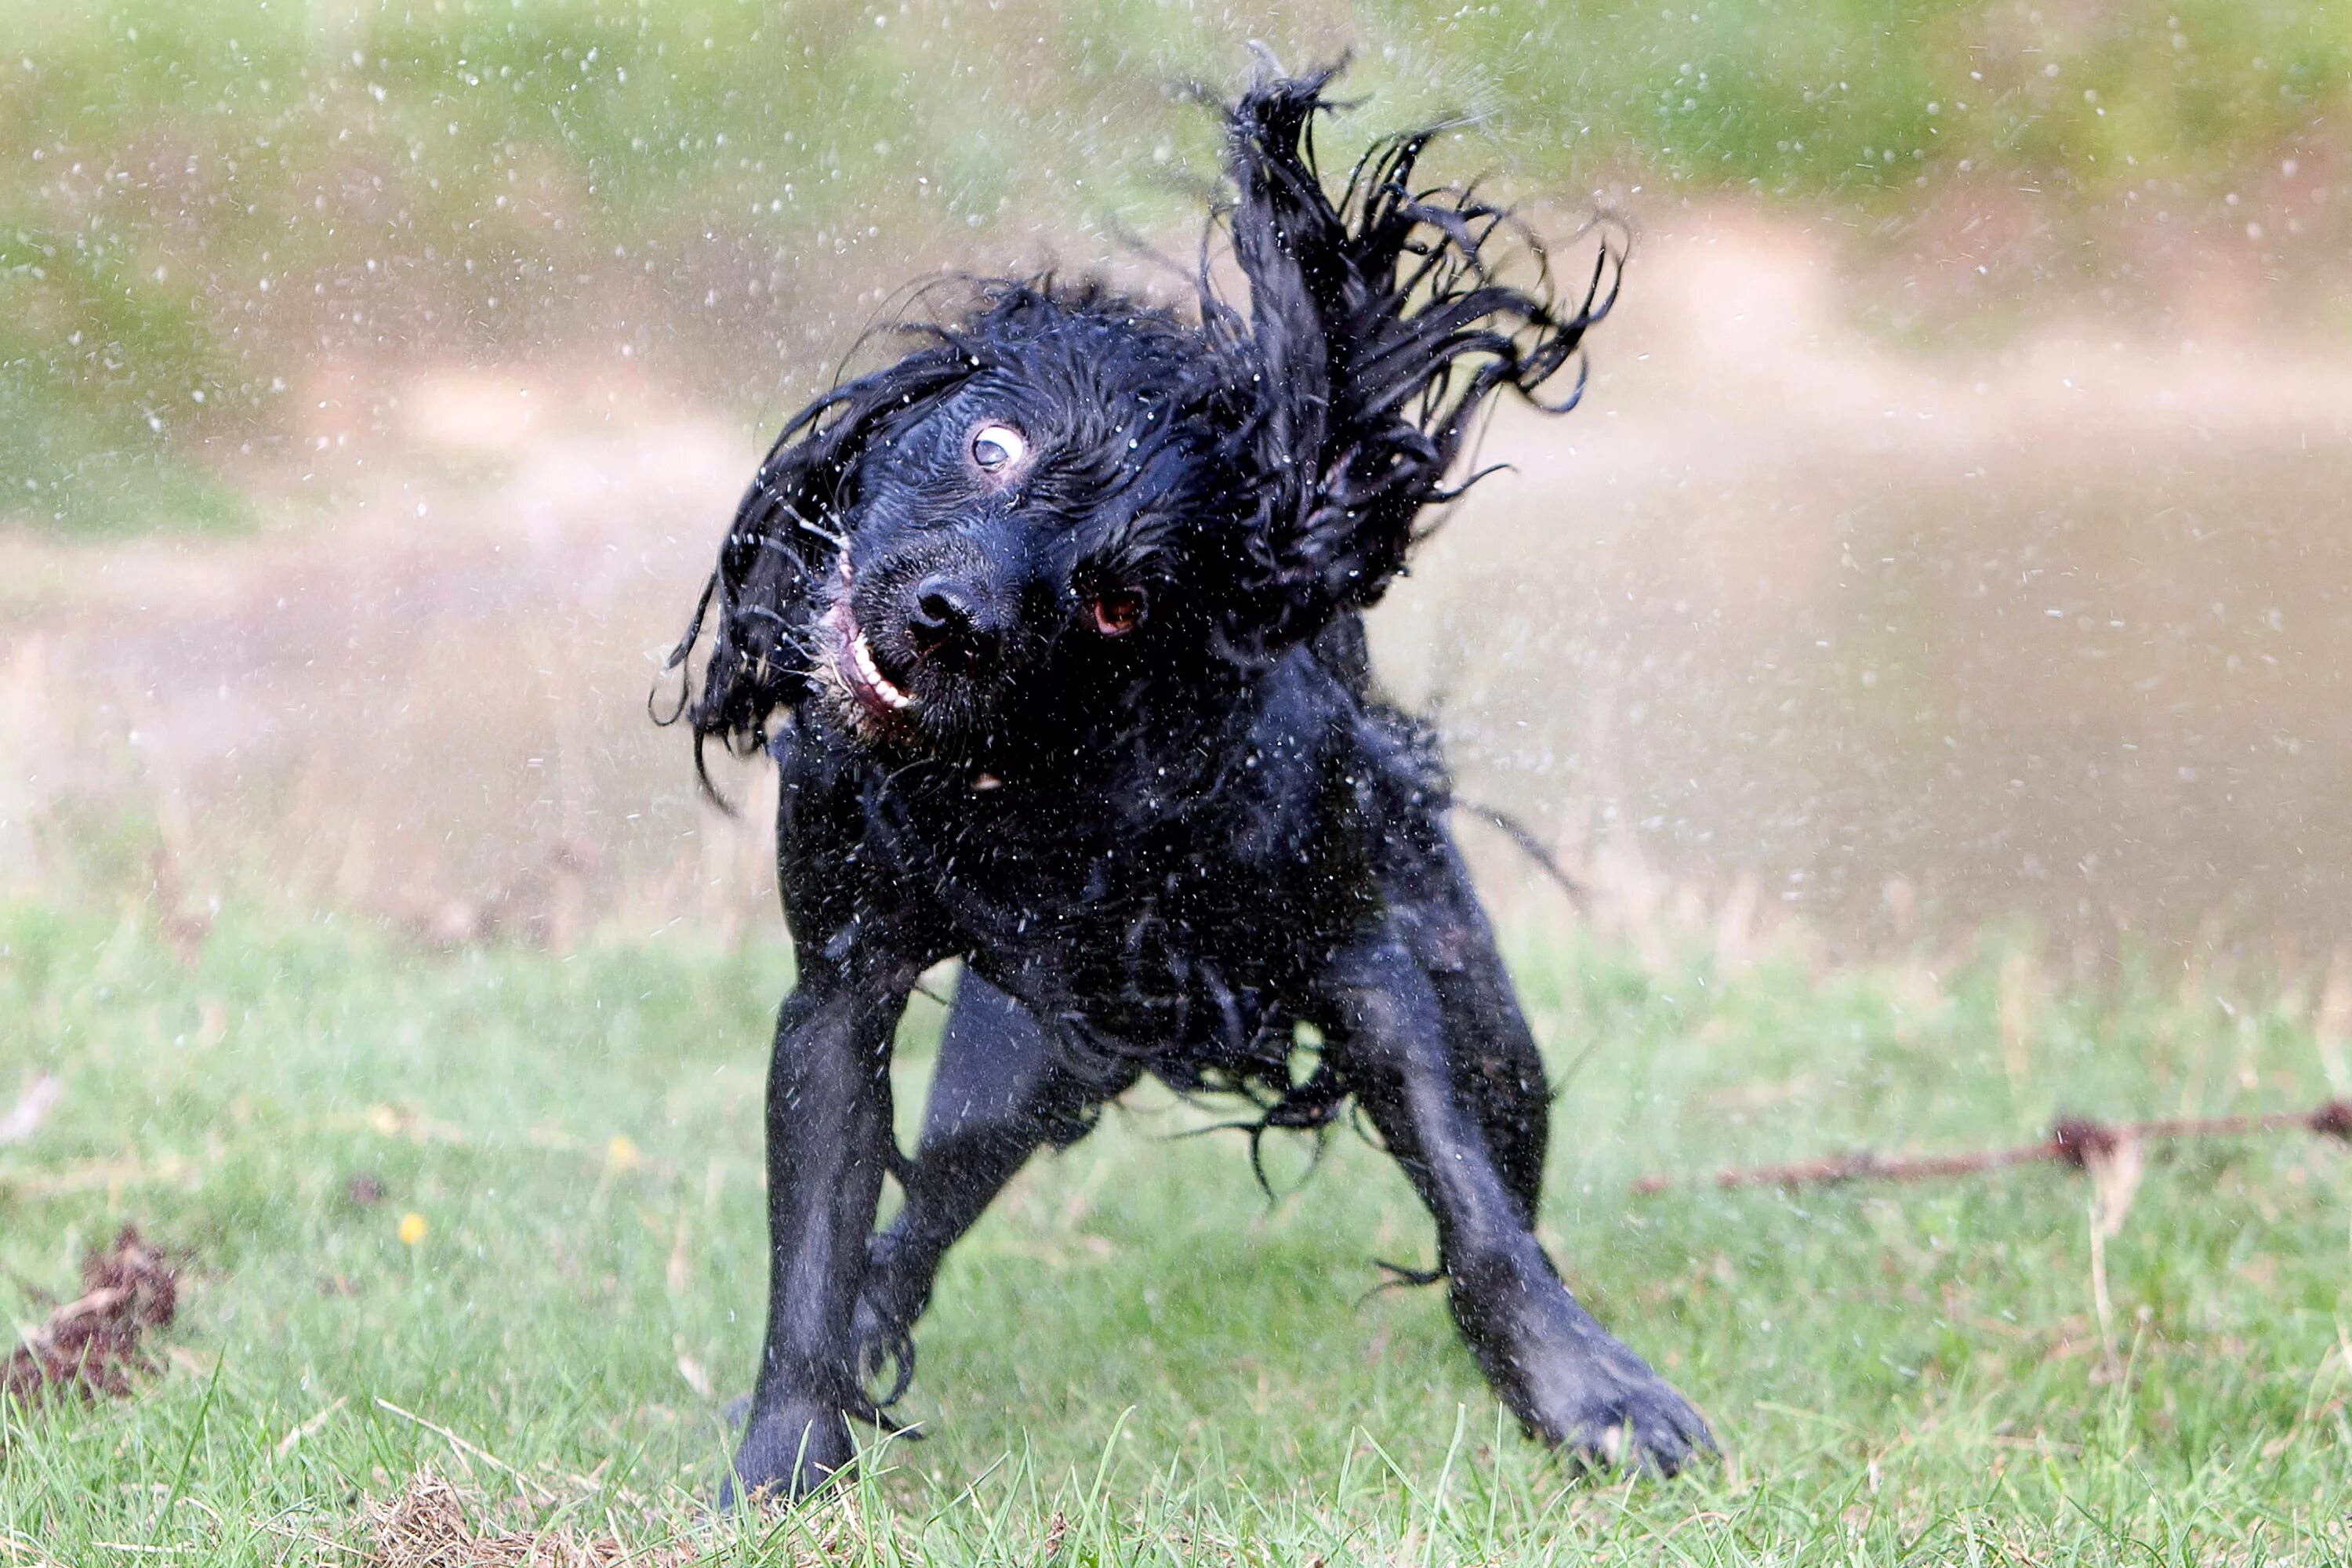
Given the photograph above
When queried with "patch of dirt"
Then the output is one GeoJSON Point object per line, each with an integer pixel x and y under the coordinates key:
{"type": "Point", "coordinates": [426, 1526]}
{"type": "Point", "coordinates": [433, 1524]}
{"type": "Point", "coordinates": [91, 1346]}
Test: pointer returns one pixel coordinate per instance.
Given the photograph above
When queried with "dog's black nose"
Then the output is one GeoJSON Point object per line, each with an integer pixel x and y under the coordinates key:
{"type": "Point", "coordinates": [950, 620]}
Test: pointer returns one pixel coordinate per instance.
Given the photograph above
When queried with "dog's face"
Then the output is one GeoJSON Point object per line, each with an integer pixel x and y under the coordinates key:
{"type": "Point", "coordinates": [1013, 547]}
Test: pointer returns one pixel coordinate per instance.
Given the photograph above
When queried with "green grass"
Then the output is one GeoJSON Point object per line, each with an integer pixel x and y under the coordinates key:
{"type": "Point", "coordinates": [203, 206]}
{"type": "Point", "coordinates": [1135, 1338]}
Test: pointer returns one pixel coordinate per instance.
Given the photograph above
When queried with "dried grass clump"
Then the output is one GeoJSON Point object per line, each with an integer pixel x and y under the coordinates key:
{"type": "Point", "coordinates": [90, 1346]}
{"type": "Point", "coordinates": [425, 1526]}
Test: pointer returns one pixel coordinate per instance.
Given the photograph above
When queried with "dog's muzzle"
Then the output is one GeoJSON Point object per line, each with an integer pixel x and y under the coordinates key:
{"type": "Point", "coordinates": [849, 656]}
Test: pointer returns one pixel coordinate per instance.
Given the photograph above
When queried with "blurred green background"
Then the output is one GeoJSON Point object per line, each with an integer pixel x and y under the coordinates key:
{"type": "Point", "coordinates": [1951, 534]}
{"type": "Point", "coordinates": [197, 200]}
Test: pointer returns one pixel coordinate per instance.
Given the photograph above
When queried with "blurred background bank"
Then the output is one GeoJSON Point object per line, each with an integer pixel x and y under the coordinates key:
{"type": "Point", "coordinates": [1955, 536]}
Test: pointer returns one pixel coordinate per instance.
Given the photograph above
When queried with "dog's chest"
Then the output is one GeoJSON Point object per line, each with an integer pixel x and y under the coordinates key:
{"type": "Point", "coordinates": [1188, 944]}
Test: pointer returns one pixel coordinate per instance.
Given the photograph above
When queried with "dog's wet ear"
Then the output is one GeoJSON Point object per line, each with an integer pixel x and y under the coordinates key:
{"type": "Point", "coordinates": [1381, 323]}
{"type": "Point", "coordinates": [788, 534]}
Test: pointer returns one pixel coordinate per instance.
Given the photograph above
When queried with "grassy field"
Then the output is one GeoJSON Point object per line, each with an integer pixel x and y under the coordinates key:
{"type": "Point", "coordinates": [491, 1213]}
{"type": "Point", "coordinates": [1137, 1358]}
{"type": "Point", "coordinates": [205, 208]}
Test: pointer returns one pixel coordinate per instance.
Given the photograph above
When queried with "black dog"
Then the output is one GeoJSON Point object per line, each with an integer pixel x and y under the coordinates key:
{"type": "Point", "coordinates": [1054, 630]}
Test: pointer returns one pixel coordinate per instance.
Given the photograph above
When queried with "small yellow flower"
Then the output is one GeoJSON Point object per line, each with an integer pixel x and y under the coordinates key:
{"type": "Point", "coordinates": [384, 1119]}
{"type": "Point", "coordinates": [621, 1153]}
{"type": "Point", "coordinates": [412, 1228]}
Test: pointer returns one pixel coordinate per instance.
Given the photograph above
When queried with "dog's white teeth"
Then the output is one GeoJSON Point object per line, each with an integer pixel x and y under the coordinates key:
{"type": "Point", "coordinates": [862, 652]}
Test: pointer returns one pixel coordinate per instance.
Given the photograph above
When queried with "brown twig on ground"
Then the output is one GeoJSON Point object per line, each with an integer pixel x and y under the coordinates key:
{"type": "Point", "coordinates": [90, 1346]}
{"type": "Point", "coordinates": [2073, 1141]}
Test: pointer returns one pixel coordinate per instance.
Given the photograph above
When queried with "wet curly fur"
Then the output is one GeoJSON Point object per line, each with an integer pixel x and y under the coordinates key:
{"type": "Point", "coordinates": [1053, 628]}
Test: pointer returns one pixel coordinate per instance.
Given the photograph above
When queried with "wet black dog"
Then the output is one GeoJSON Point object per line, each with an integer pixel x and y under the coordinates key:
{"type": "Point", "coordinates": [1054, 630]}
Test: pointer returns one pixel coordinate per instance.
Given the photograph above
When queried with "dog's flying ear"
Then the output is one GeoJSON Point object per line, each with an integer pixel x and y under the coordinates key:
{"type": "Point", "coordinates": [1380, 326]}
{"type": "Point", "coordinates": [787, 535]}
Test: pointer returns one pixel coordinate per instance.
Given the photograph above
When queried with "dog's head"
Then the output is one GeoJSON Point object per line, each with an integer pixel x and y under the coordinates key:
{"type": "Point", "coordinates": [985, 551]}
{"type": "Point", "coordinates": [1010, 528]}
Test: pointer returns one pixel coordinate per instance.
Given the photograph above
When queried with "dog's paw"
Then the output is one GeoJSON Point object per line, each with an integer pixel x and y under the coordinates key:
{"type": "Point", "coordinates": [1625, 1418]}
{"type": "Point", "coordinates": [787, 1453]}
{"type": "Point", "coordinates": [1572, 1383]}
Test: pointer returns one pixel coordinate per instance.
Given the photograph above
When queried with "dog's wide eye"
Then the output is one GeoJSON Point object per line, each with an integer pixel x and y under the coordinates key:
{"type": "Point", "coordinates": [1119, 613]}
{"type": "Point", "coordinates": [996, 447]}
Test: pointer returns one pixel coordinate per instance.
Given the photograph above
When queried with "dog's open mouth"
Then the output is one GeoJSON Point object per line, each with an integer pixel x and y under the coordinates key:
{"type": "Point", "coordinates": [873, 693]}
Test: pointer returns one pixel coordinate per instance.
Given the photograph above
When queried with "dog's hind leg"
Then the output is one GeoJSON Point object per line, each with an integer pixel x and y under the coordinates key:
{"type": "Point", "coordinates": [997, 1095]}
{"type": "Point", "coordinates": [1559, 1372]}
{"type": "Point", "coordinates": [1497, 1071]}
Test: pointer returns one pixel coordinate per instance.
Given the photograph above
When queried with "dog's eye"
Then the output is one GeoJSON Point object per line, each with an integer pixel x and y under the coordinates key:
{"type": "Point", "coordinates": [1120, 613]}
{"type": "Point", "coordinates": [996, 447]}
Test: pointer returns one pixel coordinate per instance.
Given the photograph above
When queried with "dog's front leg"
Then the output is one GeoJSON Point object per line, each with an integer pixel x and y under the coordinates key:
{"type": "Point", "coordinates": [828, 1142]}
{"type": "Point", "coordinates": [1560, 1372]}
